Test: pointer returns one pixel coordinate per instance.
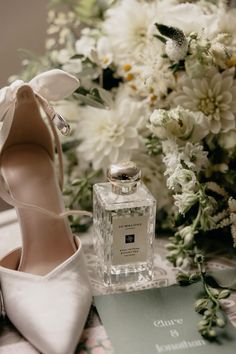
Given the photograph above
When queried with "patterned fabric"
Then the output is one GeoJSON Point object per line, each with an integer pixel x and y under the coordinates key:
{"type": "Point", "coordinates": [94, 339]}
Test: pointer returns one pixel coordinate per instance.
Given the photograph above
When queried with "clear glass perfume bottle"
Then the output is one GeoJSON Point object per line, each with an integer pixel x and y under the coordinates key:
{"type": "Point", "coordinates": [124, 226]}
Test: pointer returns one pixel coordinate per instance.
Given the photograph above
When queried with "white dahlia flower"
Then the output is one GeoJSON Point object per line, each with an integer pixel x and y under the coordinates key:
{"type": "Point", "coordinates": [109, 136]}
{"type": "Point", "coordinates": [127, 25]}
{"type": "Point", "coordinates": [154, 75]}
{"type": "Point", "coordinates": [214, 96]}
{"type": "Point", "coordinates": [187, 17]}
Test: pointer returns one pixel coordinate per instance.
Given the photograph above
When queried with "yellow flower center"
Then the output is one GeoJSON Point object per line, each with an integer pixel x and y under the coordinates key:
{"type": "Point", "coordinates": [129, 77]}
{"type": "Point", "coordinates": [127, 67]}
{"type": "Point", "coordinates": [231, 62]}
{"type": "Point", "coordinates": [105, 60]}
{"type": "Point", "coordinates": [208, 105]}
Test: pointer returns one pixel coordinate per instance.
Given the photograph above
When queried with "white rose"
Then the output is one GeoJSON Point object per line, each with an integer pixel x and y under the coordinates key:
{"type": "Point", "coordinates": [178, 123]}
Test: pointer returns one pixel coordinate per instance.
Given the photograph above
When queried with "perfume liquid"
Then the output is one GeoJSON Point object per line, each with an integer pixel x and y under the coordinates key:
{"type": "Point", "coordinates": [124, 226]}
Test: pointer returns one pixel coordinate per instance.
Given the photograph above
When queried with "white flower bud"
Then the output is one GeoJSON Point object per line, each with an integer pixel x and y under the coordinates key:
{"type": "Point", "coordinates": [220, 322]}
{"type": "Point", "coordinates": [179, 261]}
{"type": "Point", "coordinates": [201, 304]}
{"type": "Point", "coordinates": [228, 140]}
{"type": "Point", "coordinates": [176, 51]}
{"type": "Point", "coordinates": [212, 333]}
{"type": "Point", "coordinates": [187, 234]}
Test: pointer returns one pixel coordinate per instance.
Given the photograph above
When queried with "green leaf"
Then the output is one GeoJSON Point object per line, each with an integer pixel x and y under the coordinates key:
{"type": "Point", "coordinates": [162, 39]}
{"type": "Point", "coordinates": [201, 304]}
{"type": "Point", "coordinates": [77, 56]}
{"type": "Point", "coordinates": [70, 144]}
{"type": "Point", "coordinates": [224, 294]}
{"type": "Point", "coordinates": [177, 66]}
{"type": "Point", "coordinates": [183, 279]}
{"type": "Point", "coordinates": [87, 10]}
{"type": "Point", "coordinates": [106, 97]}
{"type": "Point", "coordinates": [89, 100]}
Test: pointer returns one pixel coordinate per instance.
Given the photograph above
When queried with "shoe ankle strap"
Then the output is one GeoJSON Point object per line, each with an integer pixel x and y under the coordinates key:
{"type": "Point", "coordinates": [18, 204]}
{"type": "Point", "coordinates": [63, 126]}
{"type": "Point", "coordinates": [51, 85]}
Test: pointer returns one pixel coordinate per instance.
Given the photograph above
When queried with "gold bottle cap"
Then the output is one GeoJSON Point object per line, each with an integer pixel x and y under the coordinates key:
{"type": "Point", "coordinates": [124, 177]}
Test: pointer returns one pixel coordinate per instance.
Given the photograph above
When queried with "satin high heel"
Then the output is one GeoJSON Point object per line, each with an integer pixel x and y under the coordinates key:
{"type": "Point", "coordinates": [45, 285]}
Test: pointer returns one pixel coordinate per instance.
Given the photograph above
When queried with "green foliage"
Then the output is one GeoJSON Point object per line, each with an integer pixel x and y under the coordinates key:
{"type": "Point", "coordinates": [178, 66]}
{"type": "Point", "coordinates": [208, 306]}
{"type": "Point", "coordinates": [96, 97]}
{"type": "Point", "coordinates": [78, 195]}
{"type": "Point", "coordinates": [87, 9]}
{"type": "Point", "coordinates": [90, 11]}
{"type": "Point", "coordinates": [161, 38]}
{"type": "Point", "coordinates": [153, 145]}
{"type": "Point", "coordinates": [32, 64]}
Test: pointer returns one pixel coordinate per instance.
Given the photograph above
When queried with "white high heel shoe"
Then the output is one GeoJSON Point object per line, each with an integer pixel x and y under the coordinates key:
{"type": "Point", "coordinates": [45, 285]}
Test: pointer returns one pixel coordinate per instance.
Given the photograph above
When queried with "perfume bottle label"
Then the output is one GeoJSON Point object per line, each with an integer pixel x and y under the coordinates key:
{"type": "Point", "coordinates": [129, 239]}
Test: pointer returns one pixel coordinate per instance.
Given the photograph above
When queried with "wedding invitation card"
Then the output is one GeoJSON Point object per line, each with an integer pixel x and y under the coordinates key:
{"type": "Point", "coordinates": [159, 320]}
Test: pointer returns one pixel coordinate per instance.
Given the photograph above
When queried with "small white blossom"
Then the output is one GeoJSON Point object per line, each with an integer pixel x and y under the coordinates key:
{"type": "Point", "coordinates": [98, 51]}
{"type": "Point", "coordinates": [50, 43]}
{"type": "Point", "coordinates": [187, 233]}
{"type": "Point", "coordinates": [232, 208]}
{"type": "Point", "coordinates": [60, 56]}
{"type": "Point", "coordinates": [61, 19]}
{"type": "Point", "coordinates": [101, 54]}
{"type": "Point", "coordinates": [182, 165]}
{"type": "Point", "coordinates": [185, 200]}
{"type": "Point", "coordinates": [73, 66]}
{"type": "Point", "coordinates": [194, 156]}
{"type": "Point", "coordinates": [86, 43]}
{"type": "Point", "coordinates": [181, 179]}
{"type": "Point", "coordinates": [171, 155]}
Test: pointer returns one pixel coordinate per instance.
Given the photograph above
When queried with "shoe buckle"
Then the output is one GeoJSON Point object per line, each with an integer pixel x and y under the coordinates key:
{"type": "Point", "coordinates": [61, 124]}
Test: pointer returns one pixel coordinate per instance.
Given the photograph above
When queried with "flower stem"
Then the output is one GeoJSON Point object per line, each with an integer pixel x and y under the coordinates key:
{"type": "Point", "coordinates": [101, 78]}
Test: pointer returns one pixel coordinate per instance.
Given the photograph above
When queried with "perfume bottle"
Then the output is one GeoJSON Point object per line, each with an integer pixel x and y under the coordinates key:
{"type": "Point", "coordinates": [124, 226]}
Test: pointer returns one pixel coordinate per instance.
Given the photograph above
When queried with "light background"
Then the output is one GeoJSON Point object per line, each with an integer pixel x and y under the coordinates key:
{"type": "Point", "coordinates": [23, 24]}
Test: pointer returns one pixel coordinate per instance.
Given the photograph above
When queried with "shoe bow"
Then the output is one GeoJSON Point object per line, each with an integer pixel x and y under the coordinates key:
{"type": "Point", "coordinates": [52, 85]}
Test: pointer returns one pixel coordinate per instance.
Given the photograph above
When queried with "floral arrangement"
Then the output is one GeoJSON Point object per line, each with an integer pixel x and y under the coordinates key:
{"type": "Point", "coordinates": [158, 86]}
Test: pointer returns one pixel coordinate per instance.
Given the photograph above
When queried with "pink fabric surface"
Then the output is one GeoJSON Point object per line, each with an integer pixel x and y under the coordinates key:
{"type": "Point", "coordinates": [22, 347]}
{"type": "Point", "coordinates": [94, 340]}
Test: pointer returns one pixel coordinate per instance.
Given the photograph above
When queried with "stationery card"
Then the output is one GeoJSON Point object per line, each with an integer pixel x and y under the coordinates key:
{"type": "Point", "coordinates": [160, 320]}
